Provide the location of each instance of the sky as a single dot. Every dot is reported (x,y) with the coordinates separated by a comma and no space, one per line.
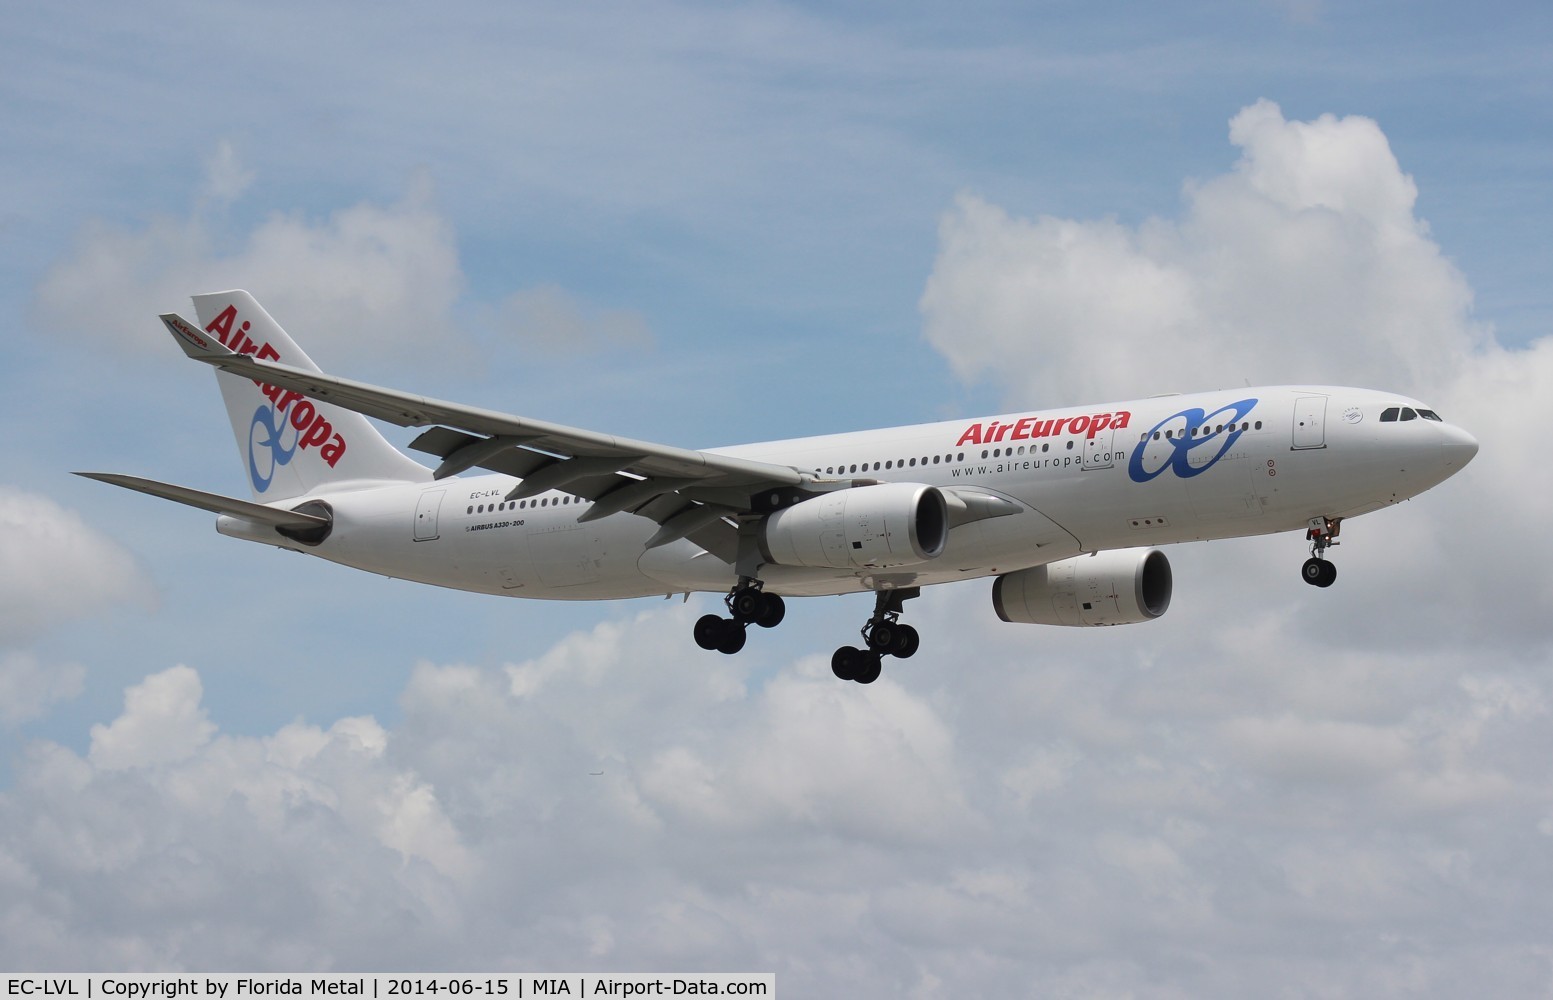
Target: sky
(712,224)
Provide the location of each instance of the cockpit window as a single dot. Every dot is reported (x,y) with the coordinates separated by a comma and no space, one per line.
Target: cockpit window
(1430,415)
(1389,414)
(1408,413)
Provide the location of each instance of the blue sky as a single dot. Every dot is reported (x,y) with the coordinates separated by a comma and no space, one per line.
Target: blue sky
(707,225)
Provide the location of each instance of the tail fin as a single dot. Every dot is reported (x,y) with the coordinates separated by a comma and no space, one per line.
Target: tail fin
(291,445)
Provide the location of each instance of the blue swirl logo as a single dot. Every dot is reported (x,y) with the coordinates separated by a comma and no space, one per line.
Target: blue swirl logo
(1200,432)
(267,446)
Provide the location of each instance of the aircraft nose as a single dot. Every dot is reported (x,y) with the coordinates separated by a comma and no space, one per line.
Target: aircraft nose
(1459,447)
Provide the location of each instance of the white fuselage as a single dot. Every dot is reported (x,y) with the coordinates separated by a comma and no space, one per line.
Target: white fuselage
(1118,475)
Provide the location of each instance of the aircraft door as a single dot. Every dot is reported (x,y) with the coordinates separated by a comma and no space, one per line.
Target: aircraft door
(426,511)
(1310,422)
(1097,450)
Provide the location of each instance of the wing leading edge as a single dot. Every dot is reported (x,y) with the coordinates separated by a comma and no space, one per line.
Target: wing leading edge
(688,493)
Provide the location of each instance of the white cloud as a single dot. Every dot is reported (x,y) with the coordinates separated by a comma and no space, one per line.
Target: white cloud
(1305,263)
(848,838)
(162,723)
(384,274)
(1343,790)
(28,685)
(54,568)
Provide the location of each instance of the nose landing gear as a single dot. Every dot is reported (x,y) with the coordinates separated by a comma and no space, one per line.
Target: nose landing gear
(884,635)
(1322,534)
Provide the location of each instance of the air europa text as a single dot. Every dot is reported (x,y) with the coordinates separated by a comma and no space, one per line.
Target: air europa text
(1026,428)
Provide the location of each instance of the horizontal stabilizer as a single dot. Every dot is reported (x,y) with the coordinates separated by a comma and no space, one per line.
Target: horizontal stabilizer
(258,513)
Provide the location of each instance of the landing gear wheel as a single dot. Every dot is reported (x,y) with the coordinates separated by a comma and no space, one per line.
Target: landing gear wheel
(745,604)
(869,668)
(709,629)
(1319,572)
(732,638)
(907,641)
(845,661)
(771,611)
(882,638)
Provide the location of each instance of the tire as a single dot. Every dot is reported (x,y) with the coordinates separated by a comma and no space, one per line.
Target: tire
(732,639)
(907,641)
(845,661)
(883,636)
(746,605)
(1328,575)
(708,630)
(1312,571)
(869,670)
(772,610)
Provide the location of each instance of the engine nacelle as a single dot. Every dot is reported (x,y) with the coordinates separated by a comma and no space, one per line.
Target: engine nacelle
(1119,587)
(891,524)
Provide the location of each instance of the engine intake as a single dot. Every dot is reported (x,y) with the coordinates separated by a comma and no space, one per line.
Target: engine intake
(889,524)
(1120,587)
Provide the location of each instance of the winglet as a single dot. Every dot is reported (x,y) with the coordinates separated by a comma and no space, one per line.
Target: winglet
(195,343)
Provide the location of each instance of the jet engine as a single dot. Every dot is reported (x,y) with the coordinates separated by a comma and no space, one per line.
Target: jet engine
(889,524)
(1119,587)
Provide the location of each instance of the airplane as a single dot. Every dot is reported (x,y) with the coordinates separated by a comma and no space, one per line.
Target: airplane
(1066,509)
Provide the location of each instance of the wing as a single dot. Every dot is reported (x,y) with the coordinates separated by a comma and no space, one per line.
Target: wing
(258,513)
(690,494)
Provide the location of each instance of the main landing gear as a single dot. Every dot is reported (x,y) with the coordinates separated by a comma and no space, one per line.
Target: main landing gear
(1322,534)
(884,635)
(747,605)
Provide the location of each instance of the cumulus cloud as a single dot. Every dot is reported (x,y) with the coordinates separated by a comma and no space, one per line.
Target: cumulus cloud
(617,803)
(386,272)
(1305,263)
(54,568)
(1343,791)
(162,723)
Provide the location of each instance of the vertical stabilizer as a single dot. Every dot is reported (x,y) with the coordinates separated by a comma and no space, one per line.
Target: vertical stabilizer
(291,445)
